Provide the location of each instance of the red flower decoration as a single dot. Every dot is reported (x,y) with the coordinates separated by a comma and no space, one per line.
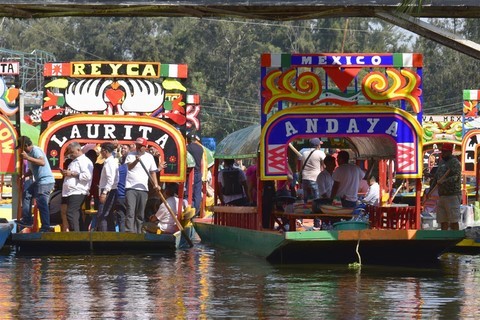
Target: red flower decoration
(172,159)
(53,153)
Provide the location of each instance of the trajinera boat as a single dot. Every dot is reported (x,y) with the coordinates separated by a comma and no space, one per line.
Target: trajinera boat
(373,104)
(91,103)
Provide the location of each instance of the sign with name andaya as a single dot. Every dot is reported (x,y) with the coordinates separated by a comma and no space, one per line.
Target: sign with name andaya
(101,128)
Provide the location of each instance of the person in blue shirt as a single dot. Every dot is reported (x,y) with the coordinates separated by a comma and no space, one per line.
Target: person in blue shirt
(120,206)
(40,188)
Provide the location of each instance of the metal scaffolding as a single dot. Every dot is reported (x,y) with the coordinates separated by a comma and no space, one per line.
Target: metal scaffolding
(31,67)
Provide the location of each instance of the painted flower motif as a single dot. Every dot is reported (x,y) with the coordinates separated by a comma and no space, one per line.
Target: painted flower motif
(53,153)
(172,159)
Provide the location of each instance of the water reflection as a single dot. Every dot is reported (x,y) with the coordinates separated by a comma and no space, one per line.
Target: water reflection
(203,283)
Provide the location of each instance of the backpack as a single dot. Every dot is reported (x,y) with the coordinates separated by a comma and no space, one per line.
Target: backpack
(231,182)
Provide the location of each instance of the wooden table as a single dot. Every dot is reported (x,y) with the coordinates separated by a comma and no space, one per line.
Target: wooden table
(292,218)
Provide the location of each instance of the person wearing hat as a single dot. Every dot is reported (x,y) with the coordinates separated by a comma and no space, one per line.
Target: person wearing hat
(42,186)
(107,188)
(136,184)
(448,179)
(312,165)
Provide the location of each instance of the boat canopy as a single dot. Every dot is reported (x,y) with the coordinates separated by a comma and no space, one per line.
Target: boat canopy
(241,144)
(244,143)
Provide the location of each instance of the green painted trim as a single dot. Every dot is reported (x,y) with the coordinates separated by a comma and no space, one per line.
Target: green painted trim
(440,234)
(312,235)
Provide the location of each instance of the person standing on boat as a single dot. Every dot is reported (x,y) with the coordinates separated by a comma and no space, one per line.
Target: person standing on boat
(120,205)
(76,184)
(346,177)
(197,152)
(448,179)
(136,185)
(312,165)
(107,188)
(232,181)
(40,188)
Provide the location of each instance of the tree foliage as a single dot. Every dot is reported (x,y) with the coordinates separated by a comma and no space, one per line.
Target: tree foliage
(223,54)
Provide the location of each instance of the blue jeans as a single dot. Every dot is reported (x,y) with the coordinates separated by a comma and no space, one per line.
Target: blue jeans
(41,193)
(106,214)
(310,190)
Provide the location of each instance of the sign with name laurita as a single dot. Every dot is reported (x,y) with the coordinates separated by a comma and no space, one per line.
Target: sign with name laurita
(96,101)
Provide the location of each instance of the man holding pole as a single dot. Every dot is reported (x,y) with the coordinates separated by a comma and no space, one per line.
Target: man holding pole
(449,183)
(136,185)
(42,186)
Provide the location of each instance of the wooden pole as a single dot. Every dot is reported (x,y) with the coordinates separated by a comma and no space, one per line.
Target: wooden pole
(170,211)
(20,181)
(435,187)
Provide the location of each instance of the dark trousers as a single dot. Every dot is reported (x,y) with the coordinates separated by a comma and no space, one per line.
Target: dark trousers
(121,210)
(74,211)
(106,214)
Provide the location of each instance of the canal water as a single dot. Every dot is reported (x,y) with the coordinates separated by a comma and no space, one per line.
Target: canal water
(207,283)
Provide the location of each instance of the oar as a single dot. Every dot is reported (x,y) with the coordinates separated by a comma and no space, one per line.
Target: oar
(435,187)
(398,190)
(170,211)
(20,181)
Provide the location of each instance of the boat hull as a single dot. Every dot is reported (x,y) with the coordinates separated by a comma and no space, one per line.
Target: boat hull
(95,241)
(387,247)
(5,230)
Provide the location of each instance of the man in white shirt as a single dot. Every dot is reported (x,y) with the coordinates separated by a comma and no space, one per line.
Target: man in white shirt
(347,177)
(136,185)
(166,223)
(325,179)
(108,188)
(76,184)
(373,194)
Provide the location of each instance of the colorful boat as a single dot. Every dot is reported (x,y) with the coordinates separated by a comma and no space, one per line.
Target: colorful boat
(94,102)
(471,170)
(337,96)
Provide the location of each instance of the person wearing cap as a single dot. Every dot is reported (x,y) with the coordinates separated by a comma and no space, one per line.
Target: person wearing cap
(448,179)
(40,188)
(107,188)
(197,152)
(312,165)
(141,165)
(346,179)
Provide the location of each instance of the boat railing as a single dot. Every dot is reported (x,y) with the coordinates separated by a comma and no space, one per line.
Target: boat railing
(234,216)
(392,217)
